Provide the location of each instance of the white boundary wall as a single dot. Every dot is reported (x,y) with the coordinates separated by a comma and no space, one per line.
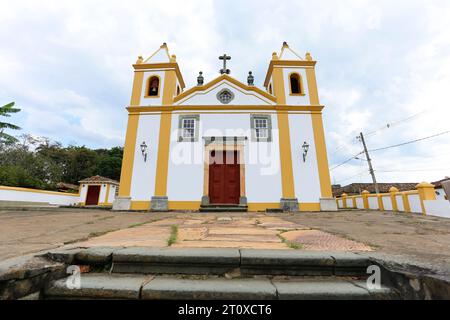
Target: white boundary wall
(39,196)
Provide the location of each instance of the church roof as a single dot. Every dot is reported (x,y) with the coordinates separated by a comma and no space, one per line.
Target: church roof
(288,57)
(99,179)
(161,55)
(226,78)
(161,58)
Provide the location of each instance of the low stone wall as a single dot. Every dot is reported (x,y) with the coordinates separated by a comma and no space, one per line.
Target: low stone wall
(17,195)
(422,200)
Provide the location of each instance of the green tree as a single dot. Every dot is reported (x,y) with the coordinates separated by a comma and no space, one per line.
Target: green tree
(6,111)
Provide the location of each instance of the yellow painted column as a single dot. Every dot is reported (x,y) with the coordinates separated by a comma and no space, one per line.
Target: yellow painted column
(380,202)
(344,200)
(108,187)
(287,174)
(406,205)
(130,139)
(393,192)
(319,136)
(354,202)
(365,196)
(162,165)
(426,192)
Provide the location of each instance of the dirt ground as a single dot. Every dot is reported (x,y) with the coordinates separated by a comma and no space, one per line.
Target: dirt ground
(422,238)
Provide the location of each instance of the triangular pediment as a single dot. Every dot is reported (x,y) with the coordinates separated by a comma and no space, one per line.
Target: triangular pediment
(225,90)
(159,56)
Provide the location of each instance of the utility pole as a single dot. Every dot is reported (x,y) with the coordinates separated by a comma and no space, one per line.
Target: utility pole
(369,161)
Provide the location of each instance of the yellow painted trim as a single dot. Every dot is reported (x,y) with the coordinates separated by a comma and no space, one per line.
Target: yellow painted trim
(393,194)
(312,86)
(380,202)
(147,87)
(300,80)
(426,192)
(38,191)
(158,66)
(319,137)
(365,195)
(285,108)
(286,63)
(162,165)
(219,79)
(314,207)
(128,155)
(253,207)
(406,205)
(287,174)
(344,201)
(130,139)
(321,156)
(140,205)
(184,205)
(108,187)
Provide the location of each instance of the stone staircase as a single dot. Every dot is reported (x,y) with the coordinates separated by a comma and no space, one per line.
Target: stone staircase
(226,274)
(223,208)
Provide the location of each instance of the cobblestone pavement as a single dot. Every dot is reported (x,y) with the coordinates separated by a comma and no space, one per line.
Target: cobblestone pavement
(249,231)
(420,237)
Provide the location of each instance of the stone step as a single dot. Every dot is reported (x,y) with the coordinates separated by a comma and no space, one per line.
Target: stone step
(203,261)
(223,208)
(113,286)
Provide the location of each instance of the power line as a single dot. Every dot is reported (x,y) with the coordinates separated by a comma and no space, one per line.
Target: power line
(410,142)
(390,125)
(387,126)
(355,176)
(413,170)
(346,161)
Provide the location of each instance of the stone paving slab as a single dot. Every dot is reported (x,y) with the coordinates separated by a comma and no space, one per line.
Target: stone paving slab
(231,244)
(211,289)
(319,240)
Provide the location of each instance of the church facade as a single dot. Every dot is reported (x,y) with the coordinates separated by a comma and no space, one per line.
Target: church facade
(225,143)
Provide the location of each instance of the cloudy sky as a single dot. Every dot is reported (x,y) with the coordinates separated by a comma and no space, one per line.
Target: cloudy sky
(67,64)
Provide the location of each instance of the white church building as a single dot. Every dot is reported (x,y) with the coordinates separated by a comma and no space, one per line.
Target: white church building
(225,144)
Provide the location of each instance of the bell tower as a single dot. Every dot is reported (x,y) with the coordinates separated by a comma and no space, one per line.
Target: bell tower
(157,81)
(291,78)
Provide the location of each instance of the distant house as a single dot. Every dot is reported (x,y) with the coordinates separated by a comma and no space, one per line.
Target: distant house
(67,187)
(440,189)
(98,191)
(357,188)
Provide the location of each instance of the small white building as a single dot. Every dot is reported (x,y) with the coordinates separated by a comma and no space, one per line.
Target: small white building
(98,191)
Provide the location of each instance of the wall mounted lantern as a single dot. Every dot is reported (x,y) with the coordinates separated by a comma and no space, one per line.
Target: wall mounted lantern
(305,148)
(144,150)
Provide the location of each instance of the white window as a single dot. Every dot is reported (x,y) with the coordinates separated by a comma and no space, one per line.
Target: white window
(188,128)
(261,125)
(261,128)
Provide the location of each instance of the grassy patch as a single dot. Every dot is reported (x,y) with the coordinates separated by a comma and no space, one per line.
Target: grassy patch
(292,245)
(135,225)
(173,235)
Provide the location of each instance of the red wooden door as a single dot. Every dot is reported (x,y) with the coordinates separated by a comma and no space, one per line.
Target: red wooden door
(224,177)
(93,195)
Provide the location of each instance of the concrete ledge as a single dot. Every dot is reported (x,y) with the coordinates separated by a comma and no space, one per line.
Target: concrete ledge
(279,262)
(23,276)
(98,286)
(320,290)
(211,289)
(192,261)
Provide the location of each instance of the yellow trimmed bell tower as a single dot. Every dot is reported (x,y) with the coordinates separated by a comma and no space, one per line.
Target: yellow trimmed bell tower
(157,80)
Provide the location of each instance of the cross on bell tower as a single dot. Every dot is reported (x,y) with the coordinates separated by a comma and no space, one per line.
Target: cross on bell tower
(225,58)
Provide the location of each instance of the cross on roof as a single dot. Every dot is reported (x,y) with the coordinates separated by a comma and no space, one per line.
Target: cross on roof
(225,58)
